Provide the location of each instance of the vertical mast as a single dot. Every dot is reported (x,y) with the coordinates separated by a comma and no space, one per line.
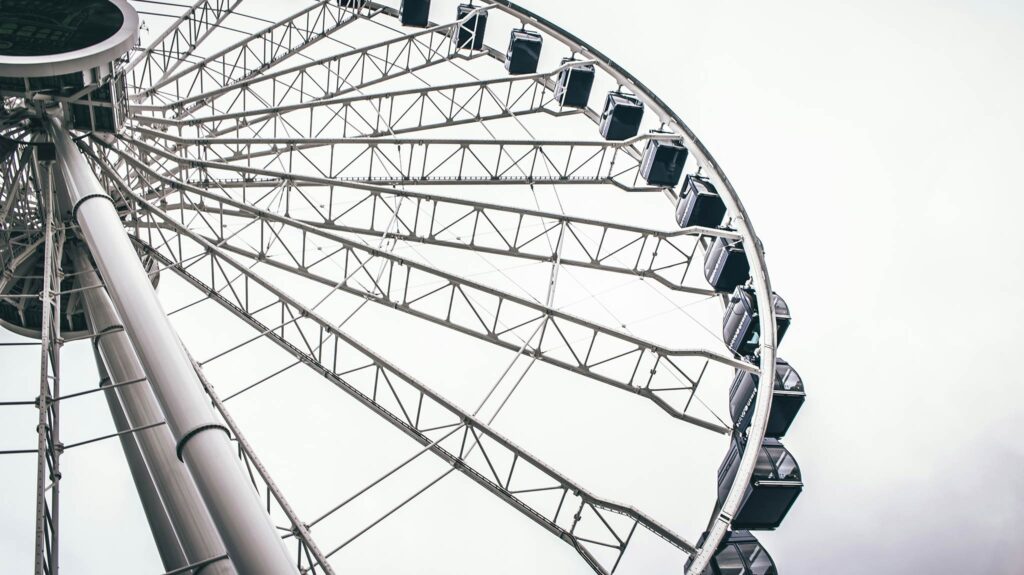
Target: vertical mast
(47,542)
(202,441)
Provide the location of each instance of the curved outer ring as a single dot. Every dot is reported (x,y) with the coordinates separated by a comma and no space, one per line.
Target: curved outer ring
(122,41)
(759,273)
(81,60)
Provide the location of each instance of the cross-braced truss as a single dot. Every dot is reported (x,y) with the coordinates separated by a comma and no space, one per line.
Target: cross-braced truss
(230,88)
(485,456)
(393,112)
(597,352)
(48,475)
(176,44)
(470,224)
(254,54)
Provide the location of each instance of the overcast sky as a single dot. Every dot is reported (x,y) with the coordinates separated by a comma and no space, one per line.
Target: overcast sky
(875,145)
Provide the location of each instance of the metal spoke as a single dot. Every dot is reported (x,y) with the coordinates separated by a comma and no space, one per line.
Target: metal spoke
(416,407)
(600,353)
(248,455)
(256,53)
(176,43)
(394,112)
(340,74)
(432,219)
(426,161)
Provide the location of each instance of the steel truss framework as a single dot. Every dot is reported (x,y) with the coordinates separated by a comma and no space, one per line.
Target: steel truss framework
(49,445)
(600,353)
(32,227)
(223,151)
(401,399)
(372,115)
(438,220)
(395,161)
(21,212)
(255,53)
(176,44)
(316,80)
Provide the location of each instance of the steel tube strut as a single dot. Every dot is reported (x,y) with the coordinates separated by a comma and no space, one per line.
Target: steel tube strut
(171,554)
(202,441)
(184,506)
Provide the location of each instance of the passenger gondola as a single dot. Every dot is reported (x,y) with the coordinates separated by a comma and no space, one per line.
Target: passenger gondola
(663,162)
(725,265)
(773,488)
(787,398)
(741,325)
(523,53)
(471,32)
(621,117)
(574,84)
(699,204)
(415,13)
(740,553)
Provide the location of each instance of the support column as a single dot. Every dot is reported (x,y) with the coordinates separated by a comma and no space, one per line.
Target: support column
(171,554)
(196,533)
(202,441)
(47,552)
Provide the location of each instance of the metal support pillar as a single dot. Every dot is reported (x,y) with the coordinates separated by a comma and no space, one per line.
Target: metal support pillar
(202,441)
(196,533)
(47,542)
(171,554)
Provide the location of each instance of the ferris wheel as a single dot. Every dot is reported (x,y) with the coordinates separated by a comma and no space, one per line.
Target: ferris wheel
(297,233)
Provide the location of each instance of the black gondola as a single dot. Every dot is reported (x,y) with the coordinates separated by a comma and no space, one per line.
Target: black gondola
(415,13)
(7,148)
(663,162)
(108,112)
(574,84)
(46,152)
(621,117)
(739,553)
(725,265)
(523,52)
(787,397)
(101,109)
(773,488)
(741,327)
(699,204)
(471,32)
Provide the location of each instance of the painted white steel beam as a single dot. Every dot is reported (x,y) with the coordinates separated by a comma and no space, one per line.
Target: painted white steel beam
(202,440)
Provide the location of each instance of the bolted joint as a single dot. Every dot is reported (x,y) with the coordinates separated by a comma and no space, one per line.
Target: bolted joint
(188,435)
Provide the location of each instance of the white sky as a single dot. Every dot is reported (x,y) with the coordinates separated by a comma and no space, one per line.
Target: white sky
(876,146)
(872,144)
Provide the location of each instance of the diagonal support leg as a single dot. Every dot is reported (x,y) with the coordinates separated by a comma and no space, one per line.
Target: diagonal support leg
(171,554)
(180,497)
(202,441)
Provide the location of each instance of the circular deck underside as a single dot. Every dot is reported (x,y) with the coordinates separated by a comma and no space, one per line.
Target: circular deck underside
(45,28)
(175,168)
(40,38)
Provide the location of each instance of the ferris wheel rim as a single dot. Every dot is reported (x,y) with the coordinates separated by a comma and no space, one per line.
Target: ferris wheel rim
(720,521)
